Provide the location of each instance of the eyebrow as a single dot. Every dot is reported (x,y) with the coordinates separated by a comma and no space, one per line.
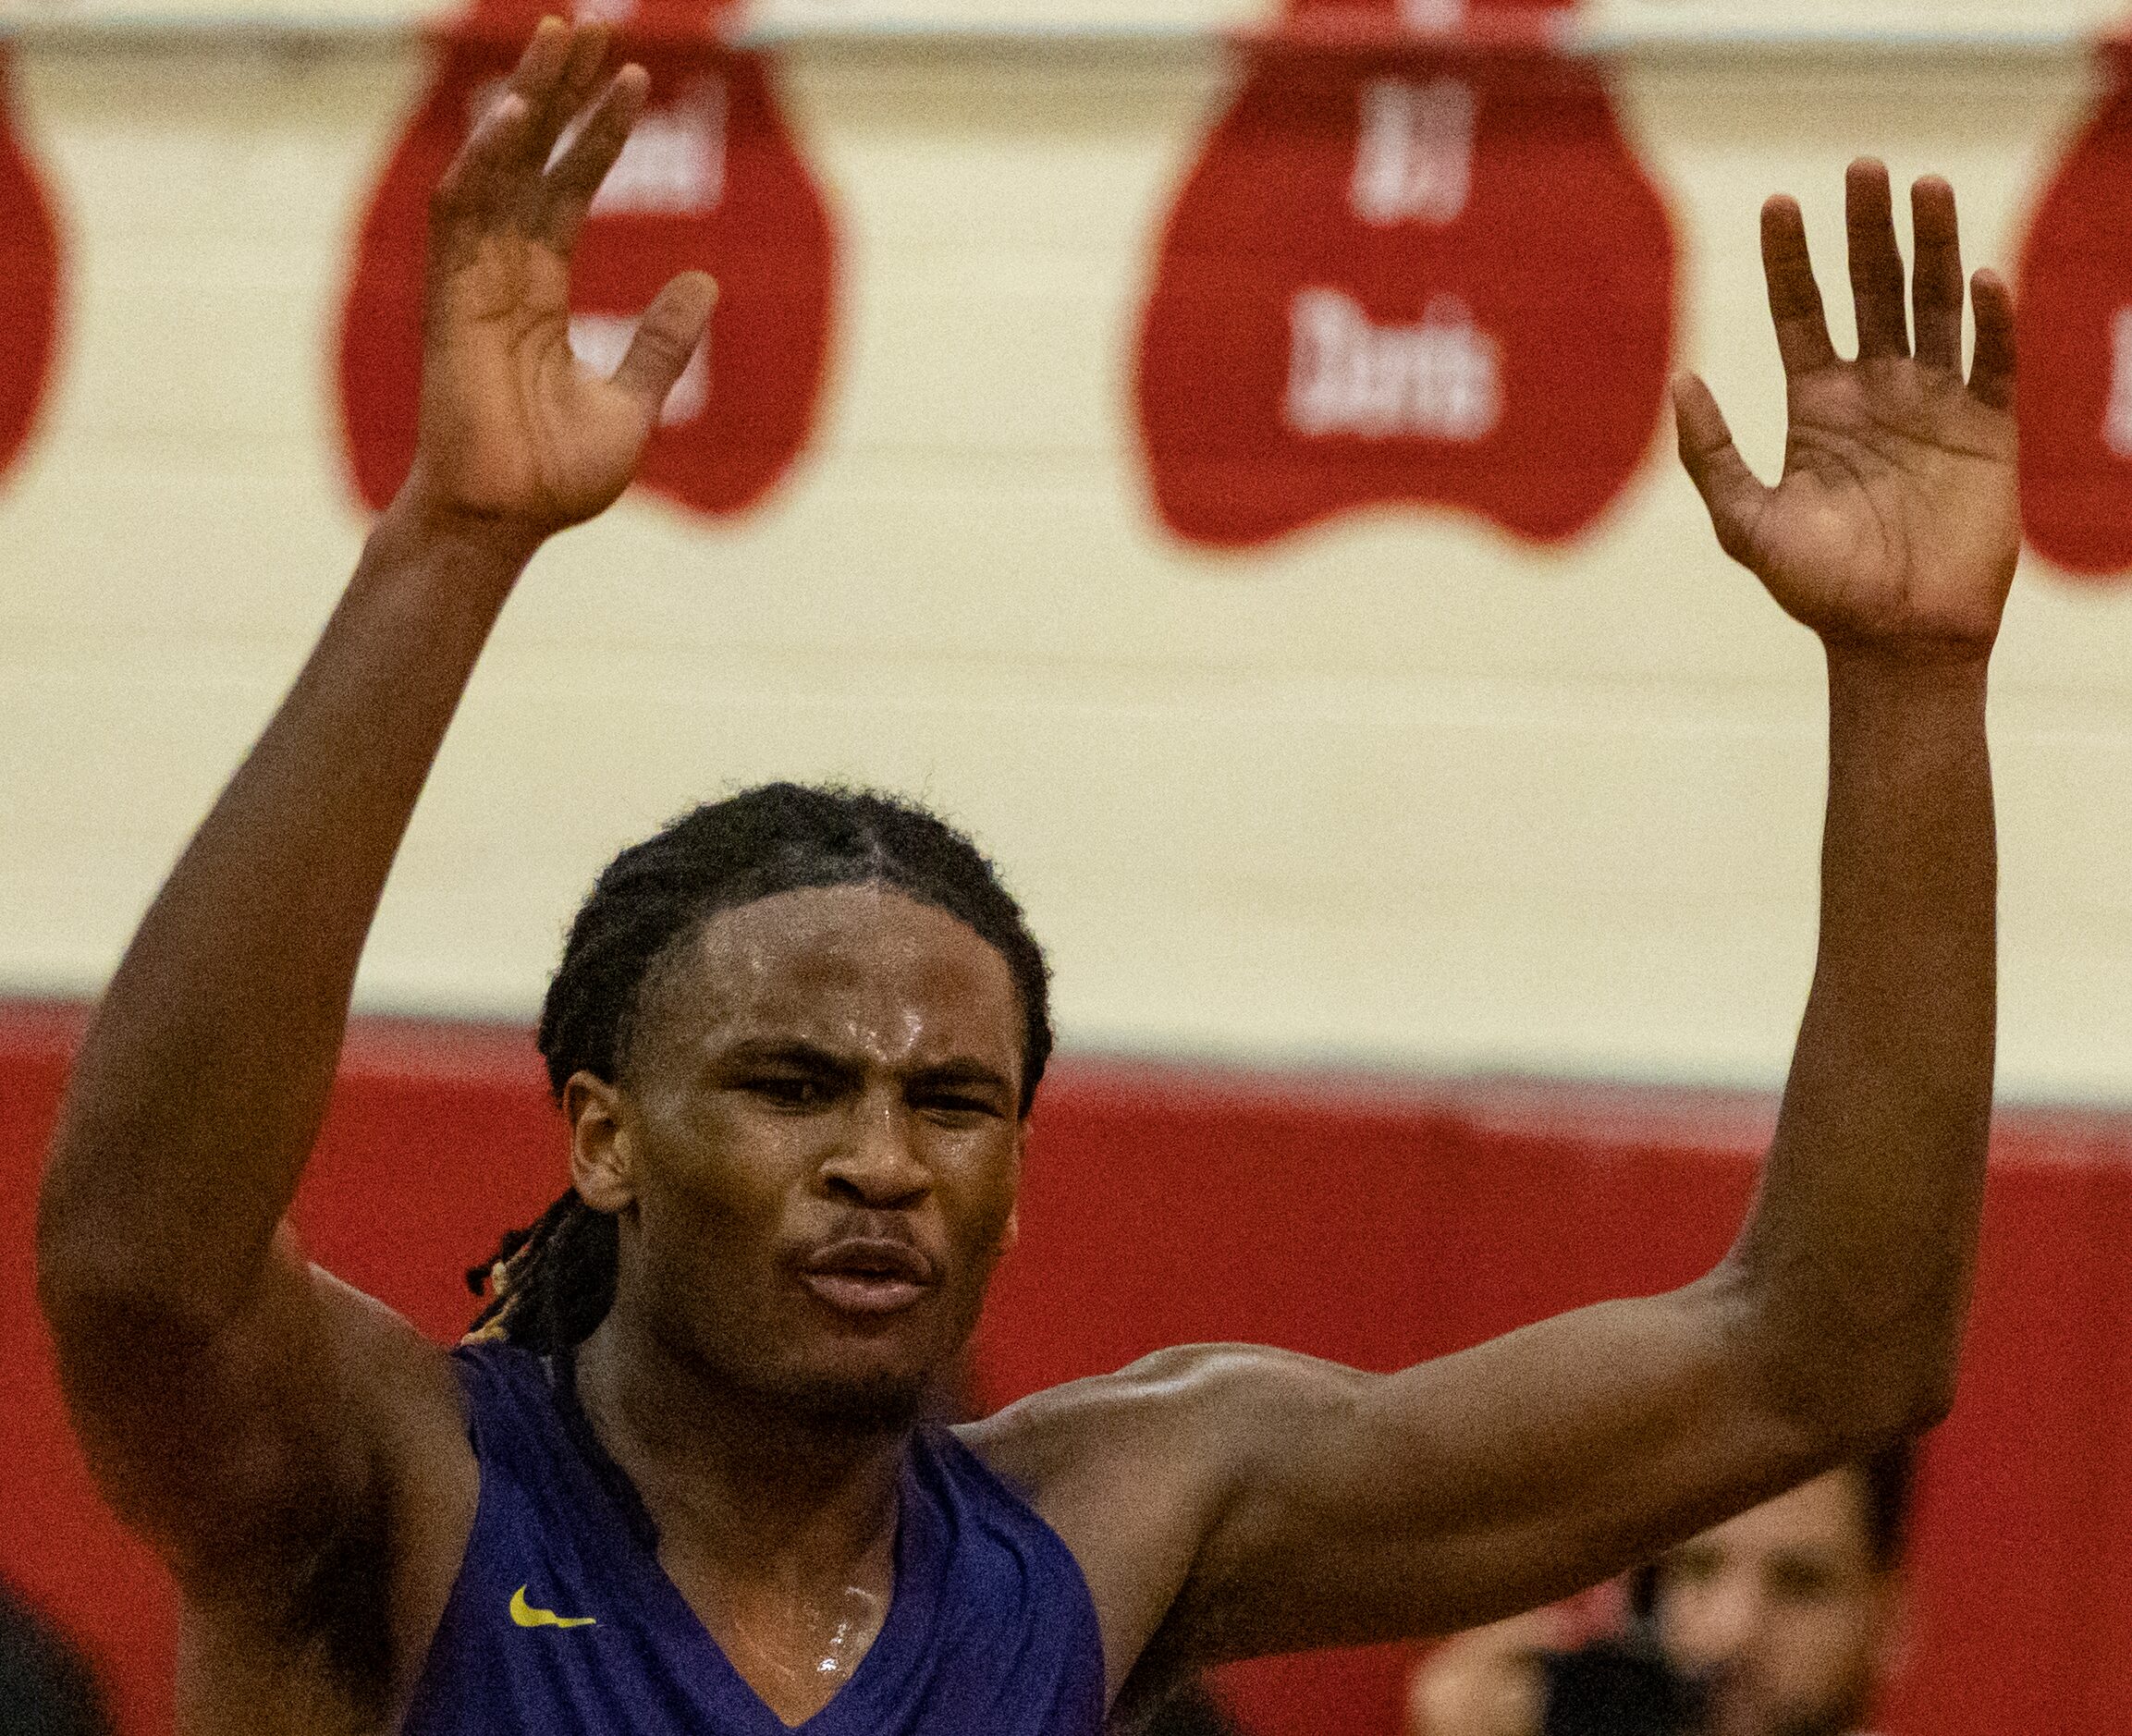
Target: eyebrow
(783,1052)
(813,1058)
(963,1071)
(1824,1556)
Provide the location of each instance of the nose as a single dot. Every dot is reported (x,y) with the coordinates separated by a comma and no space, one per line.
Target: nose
(1728,1620)
(876,1163)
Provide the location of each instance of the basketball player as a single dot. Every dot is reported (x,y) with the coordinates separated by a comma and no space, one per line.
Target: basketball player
(682,1482)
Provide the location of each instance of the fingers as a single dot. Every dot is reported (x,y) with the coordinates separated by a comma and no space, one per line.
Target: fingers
(475,189)
(1735,495)
(1991,368)
(542,58)
(499,176)
(587,155)
(1936,278)
(559,70)
(1878,280)
(1876,263)
(667,337)
(1795,298)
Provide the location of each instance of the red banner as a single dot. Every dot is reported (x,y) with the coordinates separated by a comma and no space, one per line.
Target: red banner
(1506,20)
(2074,326)
(1409,267)
(30,270)
(710,180)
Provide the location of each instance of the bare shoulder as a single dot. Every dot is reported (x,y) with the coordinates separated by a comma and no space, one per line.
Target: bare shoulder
(1190,1399)
(347,1493)
(411,1391)
(1135,1470)
(415,1415)
(372,1608)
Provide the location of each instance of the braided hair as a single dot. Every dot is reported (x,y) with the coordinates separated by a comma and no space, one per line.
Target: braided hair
(550,1284)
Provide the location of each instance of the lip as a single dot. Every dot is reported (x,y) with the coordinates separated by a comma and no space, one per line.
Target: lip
(868,1275)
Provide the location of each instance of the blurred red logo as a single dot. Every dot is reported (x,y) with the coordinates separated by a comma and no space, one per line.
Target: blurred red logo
(2073,323)
(710,180)
(1408,268)
(29,269)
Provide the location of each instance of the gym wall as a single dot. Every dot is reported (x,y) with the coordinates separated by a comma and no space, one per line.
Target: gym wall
(1398,790)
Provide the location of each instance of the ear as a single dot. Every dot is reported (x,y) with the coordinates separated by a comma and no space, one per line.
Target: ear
(602,1160)
(1010,1232)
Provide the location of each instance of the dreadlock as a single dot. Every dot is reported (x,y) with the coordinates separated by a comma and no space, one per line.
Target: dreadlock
(550,1284)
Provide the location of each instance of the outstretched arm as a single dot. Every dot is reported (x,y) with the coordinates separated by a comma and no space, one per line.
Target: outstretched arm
(230,1397)
(1280,1502)
(1893,534)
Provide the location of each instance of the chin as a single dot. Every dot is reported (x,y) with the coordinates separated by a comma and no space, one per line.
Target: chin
(883,1377)
(878,1401)
(1757,1717)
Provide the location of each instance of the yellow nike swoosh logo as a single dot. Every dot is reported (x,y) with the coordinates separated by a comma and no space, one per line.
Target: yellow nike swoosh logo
(526,1616)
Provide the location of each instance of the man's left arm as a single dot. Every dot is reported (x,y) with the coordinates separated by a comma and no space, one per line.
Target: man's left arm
(1356,1507)
(1234,1502)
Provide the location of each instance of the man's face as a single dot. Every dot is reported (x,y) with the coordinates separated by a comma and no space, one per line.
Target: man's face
(816,1151)
(1783,1613)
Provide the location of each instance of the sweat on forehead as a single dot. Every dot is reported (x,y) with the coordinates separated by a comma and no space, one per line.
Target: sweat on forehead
(864,971)
(773,839)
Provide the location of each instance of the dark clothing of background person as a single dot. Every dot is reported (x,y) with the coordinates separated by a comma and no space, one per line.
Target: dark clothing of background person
(1616,1687)
(1190,1712)
(46,1687)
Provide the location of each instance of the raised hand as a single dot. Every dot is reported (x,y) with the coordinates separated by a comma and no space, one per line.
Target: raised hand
(1894,525)
(514,430)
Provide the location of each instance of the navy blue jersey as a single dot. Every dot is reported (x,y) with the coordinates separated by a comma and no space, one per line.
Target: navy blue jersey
(562,1620)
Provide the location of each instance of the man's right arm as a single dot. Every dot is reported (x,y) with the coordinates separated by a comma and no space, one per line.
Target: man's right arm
(239,1409)
(181,1309)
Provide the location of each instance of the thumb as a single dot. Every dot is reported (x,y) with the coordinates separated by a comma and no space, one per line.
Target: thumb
(665,338)
(1731,492)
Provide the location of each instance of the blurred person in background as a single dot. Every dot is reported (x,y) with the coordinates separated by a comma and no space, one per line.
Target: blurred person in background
(46,1687)
(1784,1620)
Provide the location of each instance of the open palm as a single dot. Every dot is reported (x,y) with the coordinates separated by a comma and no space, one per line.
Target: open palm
(513,427)
(1895,523)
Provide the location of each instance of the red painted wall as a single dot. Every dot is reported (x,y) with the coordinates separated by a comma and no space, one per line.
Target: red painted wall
(1368,1223)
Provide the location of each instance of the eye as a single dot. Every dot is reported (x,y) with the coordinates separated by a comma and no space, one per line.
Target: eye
(789,1090)
(1795,1581)
(946,1103)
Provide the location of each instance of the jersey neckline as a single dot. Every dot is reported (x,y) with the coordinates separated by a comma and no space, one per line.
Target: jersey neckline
(922,1548)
